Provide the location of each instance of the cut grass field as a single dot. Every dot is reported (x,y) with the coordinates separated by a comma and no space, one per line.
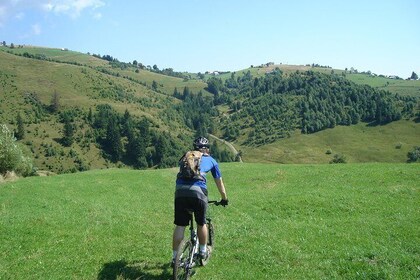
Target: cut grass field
(348,221)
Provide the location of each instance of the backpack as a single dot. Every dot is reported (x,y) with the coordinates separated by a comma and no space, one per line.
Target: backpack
(189,166)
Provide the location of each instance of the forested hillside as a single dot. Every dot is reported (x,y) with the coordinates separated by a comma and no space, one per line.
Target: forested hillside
(265,109)
(75,112)
(72,114)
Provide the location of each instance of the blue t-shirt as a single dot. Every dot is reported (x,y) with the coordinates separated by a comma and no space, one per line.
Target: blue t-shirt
(207,164)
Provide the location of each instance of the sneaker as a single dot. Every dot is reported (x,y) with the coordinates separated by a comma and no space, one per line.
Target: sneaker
(203,255)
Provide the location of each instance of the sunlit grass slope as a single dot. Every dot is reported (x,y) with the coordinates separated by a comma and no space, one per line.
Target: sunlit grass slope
(166,84)
(78,86)
(349,221)
(358,143)
(58,54)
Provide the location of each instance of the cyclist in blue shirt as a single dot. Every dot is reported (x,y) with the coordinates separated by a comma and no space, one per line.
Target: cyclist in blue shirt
(192,194)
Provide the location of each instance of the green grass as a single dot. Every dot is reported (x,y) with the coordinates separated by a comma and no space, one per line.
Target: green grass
(348,221)
(402,87)
(359,143)
(166,84)
(59,55)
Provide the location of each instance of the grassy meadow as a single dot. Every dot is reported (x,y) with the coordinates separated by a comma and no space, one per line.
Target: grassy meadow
(166,84)
(61,55)
(358,143)
(345,221)
(402,87)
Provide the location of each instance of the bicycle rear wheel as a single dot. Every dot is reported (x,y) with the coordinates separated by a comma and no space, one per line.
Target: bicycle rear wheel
(182,267)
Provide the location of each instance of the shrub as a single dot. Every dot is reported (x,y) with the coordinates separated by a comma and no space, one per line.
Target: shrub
(414,155)
(339,158)
(11,155)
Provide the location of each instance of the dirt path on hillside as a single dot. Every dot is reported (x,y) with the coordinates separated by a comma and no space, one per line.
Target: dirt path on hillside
(231,147)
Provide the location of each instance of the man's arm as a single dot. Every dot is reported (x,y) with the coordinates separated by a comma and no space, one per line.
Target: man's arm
(221,187)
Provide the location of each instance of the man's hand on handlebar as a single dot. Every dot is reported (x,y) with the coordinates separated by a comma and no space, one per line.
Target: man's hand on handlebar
(224,202)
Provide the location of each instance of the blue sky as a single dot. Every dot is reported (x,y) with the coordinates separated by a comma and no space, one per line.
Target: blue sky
(225,35)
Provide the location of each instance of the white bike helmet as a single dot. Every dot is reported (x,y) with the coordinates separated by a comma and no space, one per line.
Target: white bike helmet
(201,142)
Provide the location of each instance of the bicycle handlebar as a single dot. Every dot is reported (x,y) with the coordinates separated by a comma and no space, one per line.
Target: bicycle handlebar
(215,202)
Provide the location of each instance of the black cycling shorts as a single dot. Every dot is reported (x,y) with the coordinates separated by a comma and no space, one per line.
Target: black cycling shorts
(183,206)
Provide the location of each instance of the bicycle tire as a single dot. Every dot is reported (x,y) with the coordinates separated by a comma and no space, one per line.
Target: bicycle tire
(210,243)
(182,270)
(210,239)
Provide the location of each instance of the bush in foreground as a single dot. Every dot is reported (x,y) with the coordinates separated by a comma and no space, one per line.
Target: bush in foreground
(11,155)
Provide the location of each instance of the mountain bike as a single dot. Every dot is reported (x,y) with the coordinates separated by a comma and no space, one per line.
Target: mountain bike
(187,255)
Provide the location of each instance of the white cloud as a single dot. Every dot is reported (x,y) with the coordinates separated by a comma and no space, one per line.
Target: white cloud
(18,9)
(20,15)
(73,8)
(97,16)
(36,29)
(3,14)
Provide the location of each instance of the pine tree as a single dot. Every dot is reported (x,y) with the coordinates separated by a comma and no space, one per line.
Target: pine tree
(186,93)
(144,131)
(135,149)
(161,151)
(154,85)
(55,102)
(176,94)
(20,132)
(113,140)
(127,123)
(68,133)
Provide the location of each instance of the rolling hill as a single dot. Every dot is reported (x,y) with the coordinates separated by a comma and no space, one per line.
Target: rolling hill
(82,83)
(31,76)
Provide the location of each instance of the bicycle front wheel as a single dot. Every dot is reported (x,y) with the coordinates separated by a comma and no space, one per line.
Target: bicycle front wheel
(182,265)
(210,237)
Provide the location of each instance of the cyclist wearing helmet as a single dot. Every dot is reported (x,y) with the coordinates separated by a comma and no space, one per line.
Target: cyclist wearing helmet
(192,194)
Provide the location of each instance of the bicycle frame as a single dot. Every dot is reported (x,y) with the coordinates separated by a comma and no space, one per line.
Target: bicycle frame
(192,259)
(194,241)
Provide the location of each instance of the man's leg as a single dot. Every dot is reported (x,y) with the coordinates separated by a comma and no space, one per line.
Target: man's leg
(202,226)
(202,234)
(178,236)
(181,218)
(202,237)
